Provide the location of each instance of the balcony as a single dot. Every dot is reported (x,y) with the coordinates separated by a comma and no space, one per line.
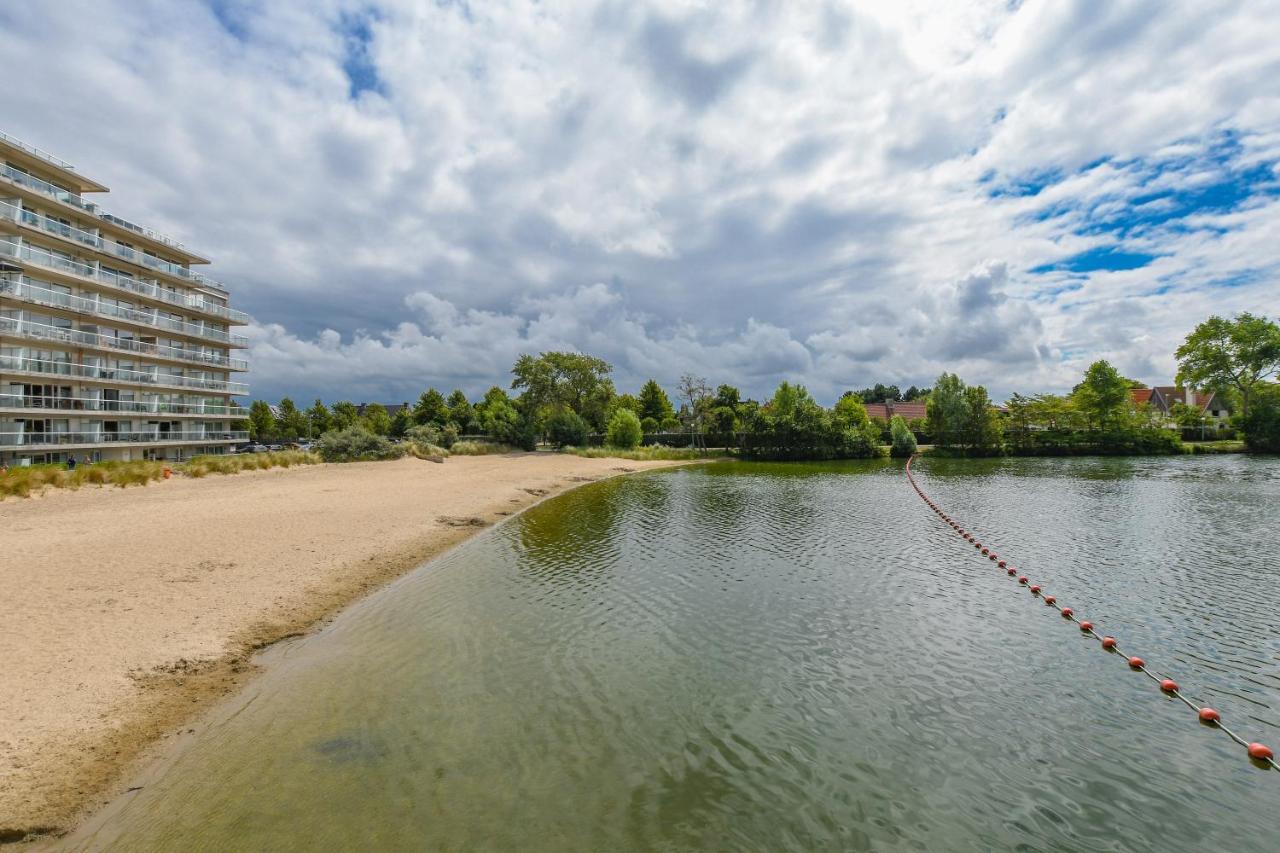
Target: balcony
(41,440)
(76,405)
(102,244)
(33,290)
(57,193)
(37,152)
(39,368)
(142,287)
(78,338)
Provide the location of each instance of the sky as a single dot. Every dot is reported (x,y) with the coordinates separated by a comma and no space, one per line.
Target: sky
(410,194)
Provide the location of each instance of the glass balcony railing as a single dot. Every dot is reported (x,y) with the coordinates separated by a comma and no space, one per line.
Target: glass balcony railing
(96,404)
(143,287)
(34,290)
(124,376)
(103,244)
(77,337)
(63,439)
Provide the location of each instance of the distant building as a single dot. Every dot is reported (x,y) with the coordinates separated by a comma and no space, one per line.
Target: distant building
(111,346)
(886,410)
(1162,399)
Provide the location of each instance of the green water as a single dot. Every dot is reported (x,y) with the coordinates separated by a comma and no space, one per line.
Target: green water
(777,657)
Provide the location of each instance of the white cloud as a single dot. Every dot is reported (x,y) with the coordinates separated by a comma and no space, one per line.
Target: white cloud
(751,191)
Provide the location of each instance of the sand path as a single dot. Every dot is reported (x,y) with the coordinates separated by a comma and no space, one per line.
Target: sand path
(127,611)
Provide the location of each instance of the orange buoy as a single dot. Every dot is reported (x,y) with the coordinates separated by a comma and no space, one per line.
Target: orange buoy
(1208,715)
(1169,685)
(1260,752)
(1086,626)
(1067,613)
(1108,642)
(1137,663)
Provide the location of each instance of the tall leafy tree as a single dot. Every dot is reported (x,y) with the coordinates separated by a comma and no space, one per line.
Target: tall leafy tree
(947,411)
(654,402)
(292,423)
(401,421)
(461,412)
(1230,354)
(376,419)
(557,381)
(319,421)
(262,424)
(981,425)
(1103,397)
(431,408)
(345,415)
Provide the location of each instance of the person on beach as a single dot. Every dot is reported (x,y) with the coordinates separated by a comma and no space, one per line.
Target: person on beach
(71,463)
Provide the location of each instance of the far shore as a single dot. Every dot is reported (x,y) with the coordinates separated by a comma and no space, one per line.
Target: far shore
(129,611)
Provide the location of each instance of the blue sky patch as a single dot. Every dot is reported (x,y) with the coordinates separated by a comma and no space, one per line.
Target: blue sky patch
(1108,258)
(358,63)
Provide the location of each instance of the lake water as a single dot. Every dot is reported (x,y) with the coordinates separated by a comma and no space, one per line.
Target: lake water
(778,657)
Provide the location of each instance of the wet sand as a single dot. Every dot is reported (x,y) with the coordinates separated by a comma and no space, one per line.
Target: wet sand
(129,611)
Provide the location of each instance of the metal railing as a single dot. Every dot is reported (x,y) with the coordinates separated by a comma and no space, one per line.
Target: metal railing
(97,404)
(144,287)
(49,367)
(76,337)
(106,245)
(31,182)
(55,439)
(34,290)
(38,152)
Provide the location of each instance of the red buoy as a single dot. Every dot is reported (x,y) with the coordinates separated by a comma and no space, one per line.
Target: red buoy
(1260,752)
(1086,626)
(1012,571)
(1000,564)
(1067,613)
(1050,599)
(1137,663)
(992,557)
(1169,685)
(1035,589)
(1208,715)
(1022,579)
(986,551)
(1108,642)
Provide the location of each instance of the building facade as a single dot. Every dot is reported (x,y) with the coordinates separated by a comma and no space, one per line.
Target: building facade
(111,345)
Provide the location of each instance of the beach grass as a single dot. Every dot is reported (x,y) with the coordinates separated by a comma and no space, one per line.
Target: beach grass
(34,479)
(481,448)
(645,454)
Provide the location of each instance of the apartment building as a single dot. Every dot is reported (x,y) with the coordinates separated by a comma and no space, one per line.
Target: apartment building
(111,345)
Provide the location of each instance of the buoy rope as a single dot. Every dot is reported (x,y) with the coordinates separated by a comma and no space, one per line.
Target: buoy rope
(1259,753)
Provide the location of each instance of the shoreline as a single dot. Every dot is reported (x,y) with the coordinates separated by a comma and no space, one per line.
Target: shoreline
(83,714)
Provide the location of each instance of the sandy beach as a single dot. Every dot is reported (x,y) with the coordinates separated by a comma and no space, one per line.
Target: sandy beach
(128,611)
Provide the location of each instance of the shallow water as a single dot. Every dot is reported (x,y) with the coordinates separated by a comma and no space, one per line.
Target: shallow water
(778,657)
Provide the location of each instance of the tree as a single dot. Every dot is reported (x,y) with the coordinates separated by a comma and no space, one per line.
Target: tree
(1235,354)
(461,412)
(318,419)
(262,424)
(500,420)
(695,393)
(567,429)
(624,429)
(291,423)
(654,402)
(982,427)
(1262,425)
(904,440)
(431,408)
(401,421)
(649,425)
(880,394)
(947,410)
(376,419)
(1103,397)
(345,415)
(853,434)
(554,381)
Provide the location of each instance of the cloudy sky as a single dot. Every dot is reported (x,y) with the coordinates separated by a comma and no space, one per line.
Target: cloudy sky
(406,193)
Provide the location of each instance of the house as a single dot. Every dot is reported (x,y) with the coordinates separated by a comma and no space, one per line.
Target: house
(1162,399)
(884,411)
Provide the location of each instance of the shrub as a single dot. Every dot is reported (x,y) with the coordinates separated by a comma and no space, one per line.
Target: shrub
(567,429)
(1262,425)
(904,440)
(441,436)
(481,448)
(356,444)
(624,429)
(670,425)
(650,425)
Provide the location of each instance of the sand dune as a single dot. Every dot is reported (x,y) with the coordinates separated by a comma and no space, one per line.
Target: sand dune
(128,611)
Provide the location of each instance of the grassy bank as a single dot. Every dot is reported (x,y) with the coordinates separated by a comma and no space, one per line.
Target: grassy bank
(644,454)
(22,482)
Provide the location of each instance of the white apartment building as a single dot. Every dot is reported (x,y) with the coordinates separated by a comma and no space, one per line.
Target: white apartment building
(111,346)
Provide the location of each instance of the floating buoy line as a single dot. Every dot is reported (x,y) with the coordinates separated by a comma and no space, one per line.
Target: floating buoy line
(1261,754)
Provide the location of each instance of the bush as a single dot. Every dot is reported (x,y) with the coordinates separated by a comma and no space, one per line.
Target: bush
(649,425)
(440,436)
(355,445)
(624,429)
(567,429)
(904,440)
(1262,426)
(670,425)
(481,448)
(651,453)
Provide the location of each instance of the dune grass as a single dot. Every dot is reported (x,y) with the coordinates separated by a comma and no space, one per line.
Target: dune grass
(34,479)
(481,448)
